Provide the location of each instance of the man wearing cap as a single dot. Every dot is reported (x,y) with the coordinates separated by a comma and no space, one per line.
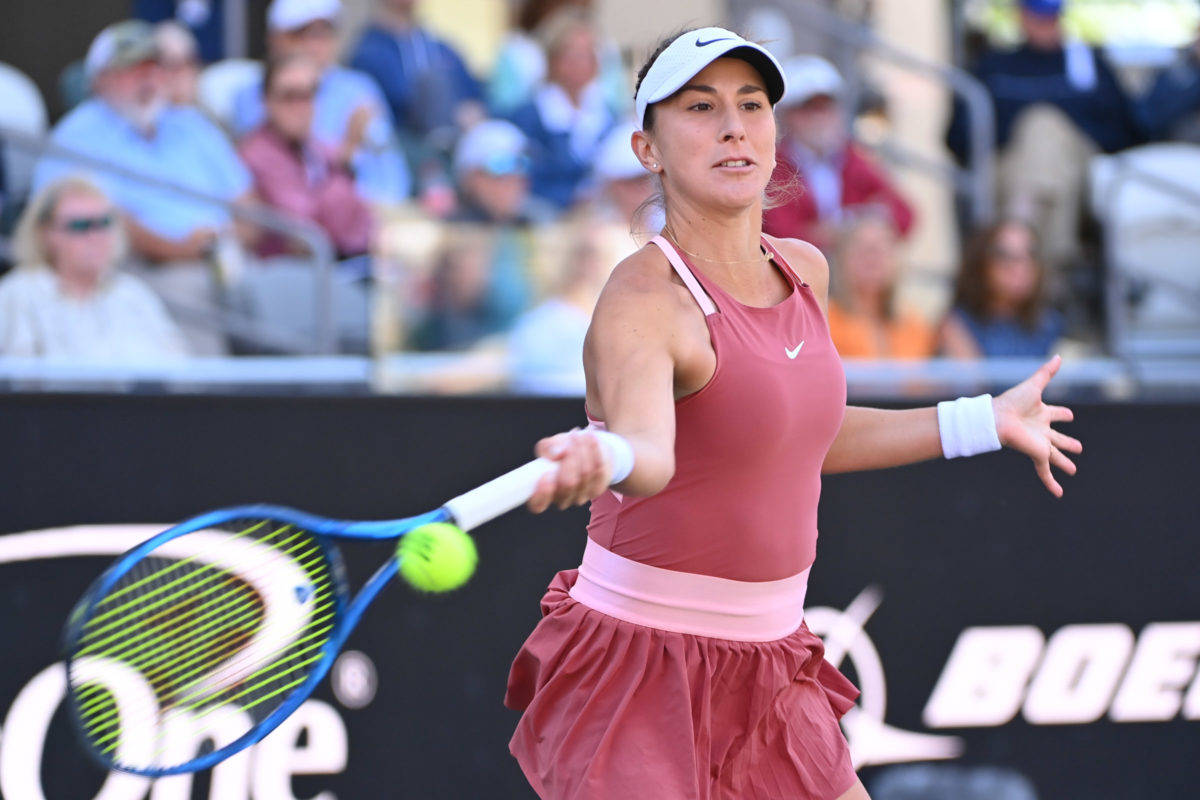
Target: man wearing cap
(834,174)
(130,124)
(346,98)
(1057,104)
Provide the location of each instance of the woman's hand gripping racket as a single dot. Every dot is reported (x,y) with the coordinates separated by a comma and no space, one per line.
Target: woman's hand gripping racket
(197,643)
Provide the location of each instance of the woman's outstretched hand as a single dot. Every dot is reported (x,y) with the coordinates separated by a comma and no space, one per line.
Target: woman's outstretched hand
(1023,423)
(582,475)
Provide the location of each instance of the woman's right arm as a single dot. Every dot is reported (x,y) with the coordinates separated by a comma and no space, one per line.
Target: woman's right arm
(629,358)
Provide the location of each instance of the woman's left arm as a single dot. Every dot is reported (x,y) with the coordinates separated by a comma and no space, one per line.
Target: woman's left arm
(875,438)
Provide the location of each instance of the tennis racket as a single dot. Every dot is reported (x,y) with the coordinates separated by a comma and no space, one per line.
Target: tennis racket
(198,642)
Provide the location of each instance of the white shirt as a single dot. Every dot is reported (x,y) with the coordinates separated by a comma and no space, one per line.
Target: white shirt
(123,321)
(546,349)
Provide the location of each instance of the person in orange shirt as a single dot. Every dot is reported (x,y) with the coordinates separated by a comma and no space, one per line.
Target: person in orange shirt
(864,320)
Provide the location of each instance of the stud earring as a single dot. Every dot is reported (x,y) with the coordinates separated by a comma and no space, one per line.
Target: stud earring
(654,165)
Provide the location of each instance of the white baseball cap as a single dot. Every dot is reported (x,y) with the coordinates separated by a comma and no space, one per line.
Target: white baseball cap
(615,160)
(494,146)
(290,15)
(809,77)
(695,50)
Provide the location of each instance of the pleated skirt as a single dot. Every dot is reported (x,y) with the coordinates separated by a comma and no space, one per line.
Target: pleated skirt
(615,710)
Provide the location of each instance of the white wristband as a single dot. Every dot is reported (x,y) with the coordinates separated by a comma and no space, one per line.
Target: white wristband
(967,426)
(618,452)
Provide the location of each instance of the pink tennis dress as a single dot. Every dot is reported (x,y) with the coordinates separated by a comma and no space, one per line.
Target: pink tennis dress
(674,663)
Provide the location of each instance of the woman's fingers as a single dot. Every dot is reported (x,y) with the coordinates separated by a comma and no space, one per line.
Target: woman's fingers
(1060,413)
(581,473)
(1058,459)
(1063,442)
(1045,372)
(1043,471)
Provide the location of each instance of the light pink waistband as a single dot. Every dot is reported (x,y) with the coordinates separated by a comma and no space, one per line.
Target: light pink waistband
(684,602)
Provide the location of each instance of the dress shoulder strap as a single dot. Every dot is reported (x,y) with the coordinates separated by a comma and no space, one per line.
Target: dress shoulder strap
(689,280)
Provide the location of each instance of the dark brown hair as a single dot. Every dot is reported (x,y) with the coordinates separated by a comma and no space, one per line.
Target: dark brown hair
(534,12)
(971,291)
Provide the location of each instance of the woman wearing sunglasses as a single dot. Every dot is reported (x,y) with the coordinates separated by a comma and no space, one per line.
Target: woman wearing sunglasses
(66,298)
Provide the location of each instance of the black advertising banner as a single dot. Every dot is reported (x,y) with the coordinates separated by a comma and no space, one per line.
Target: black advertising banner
(1008,645)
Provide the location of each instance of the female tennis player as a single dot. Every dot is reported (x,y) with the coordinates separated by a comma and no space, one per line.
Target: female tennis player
(674,663)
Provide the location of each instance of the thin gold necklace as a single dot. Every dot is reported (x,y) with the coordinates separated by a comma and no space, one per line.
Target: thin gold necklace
(762,254)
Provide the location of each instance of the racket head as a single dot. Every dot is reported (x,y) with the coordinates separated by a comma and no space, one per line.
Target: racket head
(200,641)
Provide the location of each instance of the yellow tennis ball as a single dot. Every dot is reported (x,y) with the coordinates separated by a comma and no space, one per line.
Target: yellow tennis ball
(437,557)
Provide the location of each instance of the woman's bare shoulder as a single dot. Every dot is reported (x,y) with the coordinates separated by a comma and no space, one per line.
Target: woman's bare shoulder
(643,283)
(807,261)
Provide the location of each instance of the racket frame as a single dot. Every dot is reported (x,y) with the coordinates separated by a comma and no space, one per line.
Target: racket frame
(347,612)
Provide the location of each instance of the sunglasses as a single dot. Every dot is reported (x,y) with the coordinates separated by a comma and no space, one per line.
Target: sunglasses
(294,95)
(82,225)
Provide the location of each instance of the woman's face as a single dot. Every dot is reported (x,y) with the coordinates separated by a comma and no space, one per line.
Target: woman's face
(81,237)
(1012,268)
(714,139)
(289,100)
(868,258)
(573,64)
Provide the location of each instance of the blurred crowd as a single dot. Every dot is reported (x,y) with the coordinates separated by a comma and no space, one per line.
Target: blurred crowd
(529,176)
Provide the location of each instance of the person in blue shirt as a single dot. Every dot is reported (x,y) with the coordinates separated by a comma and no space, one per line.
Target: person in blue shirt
(427,85)
(346,98)
(999,301)
(568,118)
(130,124)
(1170,108)
(1057,103)
(431,93)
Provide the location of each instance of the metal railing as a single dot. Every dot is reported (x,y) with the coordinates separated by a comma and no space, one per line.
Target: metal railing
(976,182)
(311,237)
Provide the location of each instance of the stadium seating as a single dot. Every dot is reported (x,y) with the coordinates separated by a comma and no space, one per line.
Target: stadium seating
(23,111)
(1147,201)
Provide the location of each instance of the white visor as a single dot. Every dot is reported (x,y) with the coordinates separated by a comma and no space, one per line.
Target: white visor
(695,50)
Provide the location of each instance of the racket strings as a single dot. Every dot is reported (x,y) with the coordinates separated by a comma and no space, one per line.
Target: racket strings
(194,628)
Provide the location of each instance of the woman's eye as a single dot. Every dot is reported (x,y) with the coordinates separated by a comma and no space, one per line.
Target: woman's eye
(753,105)
(701,106)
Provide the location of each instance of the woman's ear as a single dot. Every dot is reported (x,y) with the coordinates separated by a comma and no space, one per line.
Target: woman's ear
(646,152)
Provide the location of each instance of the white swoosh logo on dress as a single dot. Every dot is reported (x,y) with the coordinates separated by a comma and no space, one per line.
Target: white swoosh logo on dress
(793,353)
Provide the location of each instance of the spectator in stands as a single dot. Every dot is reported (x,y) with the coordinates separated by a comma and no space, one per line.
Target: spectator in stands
(823,173)
(297,174)
(346,98)
(180,60)
(427,85)
(546,344)
(864,320)
(130,124)
(67,297)
(491,165)
(999,304)
(568,118)
(623,183)
(1057,103)
(521,63)
(1170,108)
(460,311)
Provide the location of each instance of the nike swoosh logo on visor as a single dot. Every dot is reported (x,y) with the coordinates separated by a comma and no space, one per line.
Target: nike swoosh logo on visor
(710,41)
(793,353)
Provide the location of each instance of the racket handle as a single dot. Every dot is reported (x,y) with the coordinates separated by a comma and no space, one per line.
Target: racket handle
(498,496)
